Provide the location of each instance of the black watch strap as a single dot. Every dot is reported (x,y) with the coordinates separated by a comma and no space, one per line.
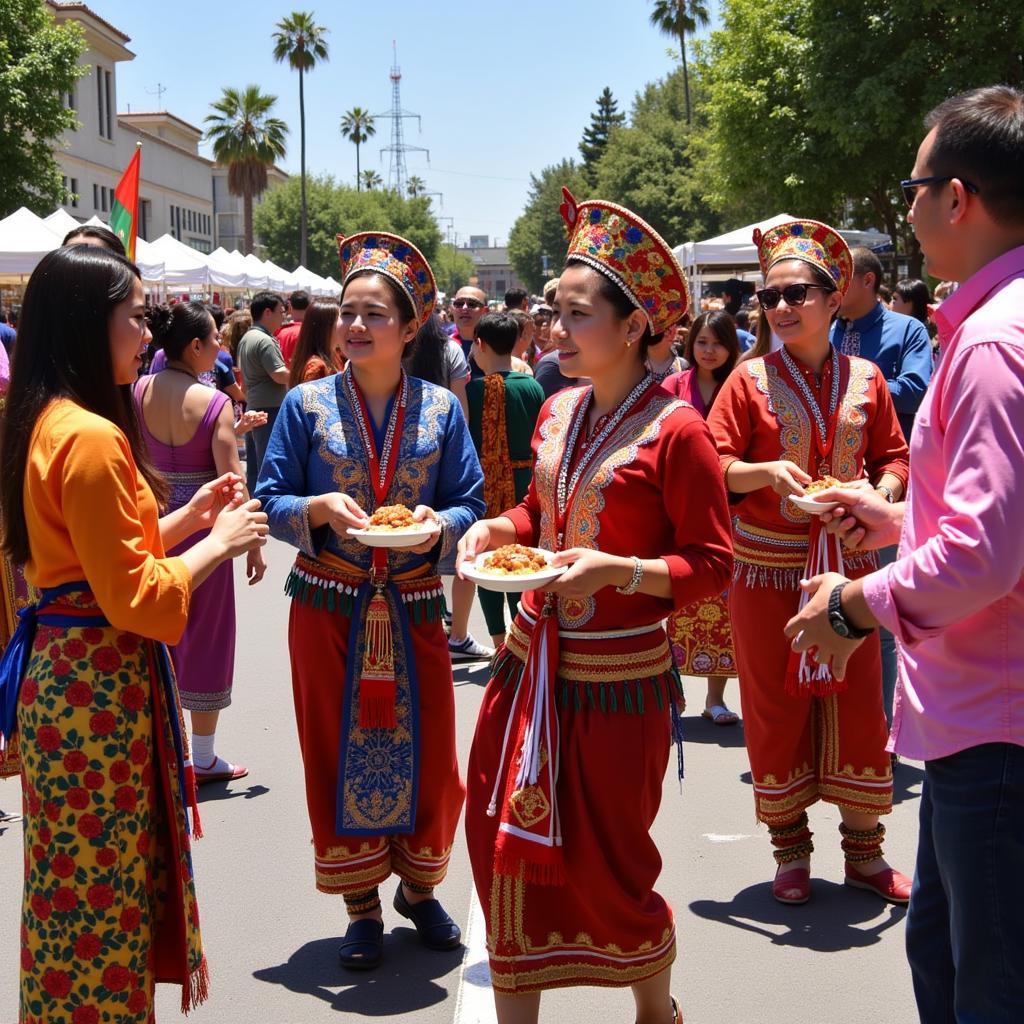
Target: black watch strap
(837,617)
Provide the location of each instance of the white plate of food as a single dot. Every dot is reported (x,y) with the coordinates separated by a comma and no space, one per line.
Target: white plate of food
(513,568)
(392,526)
(807,502)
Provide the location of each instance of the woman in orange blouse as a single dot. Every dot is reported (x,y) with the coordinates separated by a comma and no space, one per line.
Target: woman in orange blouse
(318,351)
(109,904)
(780,421)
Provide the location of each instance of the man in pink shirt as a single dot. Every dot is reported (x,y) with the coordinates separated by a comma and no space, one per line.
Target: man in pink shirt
(954,598)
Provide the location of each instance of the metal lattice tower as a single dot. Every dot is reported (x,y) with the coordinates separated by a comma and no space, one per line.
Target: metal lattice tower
(397,171)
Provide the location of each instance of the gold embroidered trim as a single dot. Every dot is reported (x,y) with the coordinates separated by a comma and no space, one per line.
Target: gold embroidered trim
(558,975)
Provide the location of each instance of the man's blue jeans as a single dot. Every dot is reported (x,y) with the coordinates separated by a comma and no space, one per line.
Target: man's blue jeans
(965,927)
(256,442)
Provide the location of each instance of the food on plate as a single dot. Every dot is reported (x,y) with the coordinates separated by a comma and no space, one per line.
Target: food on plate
(821,485)
(392,517)
(514,560)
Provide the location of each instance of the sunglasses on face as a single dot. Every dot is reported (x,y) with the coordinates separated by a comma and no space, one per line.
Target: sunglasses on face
(467,304)
(794,294)
(911,185)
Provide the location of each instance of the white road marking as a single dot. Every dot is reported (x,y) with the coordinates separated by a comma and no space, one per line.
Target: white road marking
(474,1003)
(714,837)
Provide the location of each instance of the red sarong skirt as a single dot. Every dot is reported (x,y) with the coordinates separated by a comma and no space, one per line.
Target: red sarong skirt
(318,644)
(802,748)
(605,925)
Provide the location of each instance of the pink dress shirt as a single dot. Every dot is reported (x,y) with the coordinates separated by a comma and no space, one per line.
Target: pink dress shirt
(954,598)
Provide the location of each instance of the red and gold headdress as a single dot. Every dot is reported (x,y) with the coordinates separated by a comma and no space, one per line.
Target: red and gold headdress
(378,252)
(810,241)
(618,244)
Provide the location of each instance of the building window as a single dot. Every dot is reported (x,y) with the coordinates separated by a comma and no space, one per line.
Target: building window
(95,197)
(104,193)
(144,215)
(174,233)
(105,101)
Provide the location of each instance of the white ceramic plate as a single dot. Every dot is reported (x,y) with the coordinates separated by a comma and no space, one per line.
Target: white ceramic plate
(511,584)
(396,538)
(815,508)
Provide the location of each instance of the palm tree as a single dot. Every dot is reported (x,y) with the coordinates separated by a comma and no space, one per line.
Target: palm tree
(300,41)
(357,126)
(371,179)
(246,140)
(675,18)
(415,186)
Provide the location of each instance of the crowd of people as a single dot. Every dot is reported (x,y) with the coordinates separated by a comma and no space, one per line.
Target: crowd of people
(822,508)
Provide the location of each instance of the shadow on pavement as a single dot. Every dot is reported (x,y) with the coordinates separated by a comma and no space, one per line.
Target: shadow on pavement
(213,791)
(404,982)
(904,776)
(471,673)
(699,730)
(835,919)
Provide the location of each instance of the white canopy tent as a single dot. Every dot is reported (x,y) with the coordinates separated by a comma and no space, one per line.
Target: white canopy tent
(24,240)
(734,254)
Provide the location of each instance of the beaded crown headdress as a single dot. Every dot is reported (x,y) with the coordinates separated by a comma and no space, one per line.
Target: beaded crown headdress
(618,244)
(380,252)
(810,241)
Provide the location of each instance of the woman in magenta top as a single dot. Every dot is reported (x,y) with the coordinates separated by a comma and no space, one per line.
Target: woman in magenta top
(189,430)
(700,633)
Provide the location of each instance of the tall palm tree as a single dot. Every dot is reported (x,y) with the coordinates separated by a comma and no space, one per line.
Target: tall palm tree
(676,18)
(246,140)
(371,179)
(415,186)
(357,126)
(300,41)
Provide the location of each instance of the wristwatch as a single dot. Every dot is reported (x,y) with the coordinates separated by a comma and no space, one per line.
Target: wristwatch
(838,620)
(887,493)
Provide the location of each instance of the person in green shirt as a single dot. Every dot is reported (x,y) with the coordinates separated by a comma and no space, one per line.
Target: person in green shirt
(503,410)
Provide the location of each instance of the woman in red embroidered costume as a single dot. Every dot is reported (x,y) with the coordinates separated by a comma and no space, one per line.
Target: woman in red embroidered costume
(571,746)
(109,904)
(781,421)
(700,634)
(371,676)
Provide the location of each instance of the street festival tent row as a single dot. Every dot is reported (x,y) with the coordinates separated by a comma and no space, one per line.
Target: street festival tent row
(734,254)
(167,262)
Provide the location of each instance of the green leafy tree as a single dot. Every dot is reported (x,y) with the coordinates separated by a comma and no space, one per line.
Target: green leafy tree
(338,209)
(677,18)
(300,42)
(452,269)
(649,166)
(38,67)
(357,126)
(540,230)
(247,140)
(818,110)
(415,186)
(602,122)
(371,180)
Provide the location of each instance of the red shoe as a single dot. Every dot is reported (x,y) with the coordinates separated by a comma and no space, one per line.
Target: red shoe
(677,1011)
(792,886)
(888,883)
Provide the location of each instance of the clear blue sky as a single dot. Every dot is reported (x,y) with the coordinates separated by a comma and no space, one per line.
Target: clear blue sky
(503,89)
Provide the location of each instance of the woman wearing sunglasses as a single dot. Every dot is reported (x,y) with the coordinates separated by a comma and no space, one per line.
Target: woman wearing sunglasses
(627,491)
(781,421)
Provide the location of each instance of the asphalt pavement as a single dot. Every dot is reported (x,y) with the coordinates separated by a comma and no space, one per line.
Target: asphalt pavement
(271,938)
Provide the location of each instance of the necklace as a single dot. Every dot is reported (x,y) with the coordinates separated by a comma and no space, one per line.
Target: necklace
(178,369)
(383,466)
(567,485)
(812,401)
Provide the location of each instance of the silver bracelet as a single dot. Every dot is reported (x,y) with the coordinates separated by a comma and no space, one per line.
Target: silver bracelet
(635,580)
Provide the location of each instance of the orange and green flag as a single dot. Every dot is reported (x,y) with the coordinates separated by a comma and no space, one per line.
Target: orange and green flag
(124,214)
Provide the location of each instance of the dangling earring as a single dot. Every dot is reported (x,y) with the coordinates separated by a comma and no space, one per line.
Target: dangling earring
(629,344)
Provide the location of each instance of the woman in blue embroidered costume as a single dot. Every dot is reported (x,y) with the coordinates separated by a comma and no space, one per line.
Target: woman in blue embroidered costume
(372,680)
(575,729)
(780,421)
(109,905)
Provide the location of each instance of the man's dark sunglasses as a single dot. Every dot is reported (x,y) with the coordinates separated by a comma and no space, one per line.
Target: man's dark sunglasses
(911,185)
(467,304)
(794,294)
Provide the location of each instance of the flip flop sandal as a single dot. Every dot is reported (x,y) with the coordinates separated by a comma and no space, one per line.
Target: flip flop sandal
(433,925)
(229,773)
(363,945)
(719,714)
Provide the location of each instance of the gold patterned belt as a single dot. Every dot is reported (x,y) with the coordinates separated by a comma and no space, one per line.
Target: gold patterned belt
(598,657)
(332,583)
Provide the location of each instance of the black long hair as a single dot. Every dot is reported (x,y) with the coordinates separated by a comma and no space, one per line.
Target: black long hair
(424,357)
(63,351)
(723,327)
(174,327)
(318,324)
(916,293)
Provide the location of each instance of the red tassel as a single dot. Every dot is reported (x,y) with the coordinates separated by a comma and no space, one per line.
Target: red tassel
(192,796)
(196,988)
(377,679)
(377,704)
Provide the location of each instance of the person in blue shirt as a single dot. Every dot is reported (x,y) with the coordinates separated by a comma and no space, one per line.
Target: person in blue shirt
(743,333)
(7,333)
(901,349)
(898,345)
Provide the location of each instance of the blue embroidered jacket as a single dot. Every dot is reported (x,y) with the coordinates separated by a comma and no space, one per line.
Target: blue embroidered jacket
(315,447)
